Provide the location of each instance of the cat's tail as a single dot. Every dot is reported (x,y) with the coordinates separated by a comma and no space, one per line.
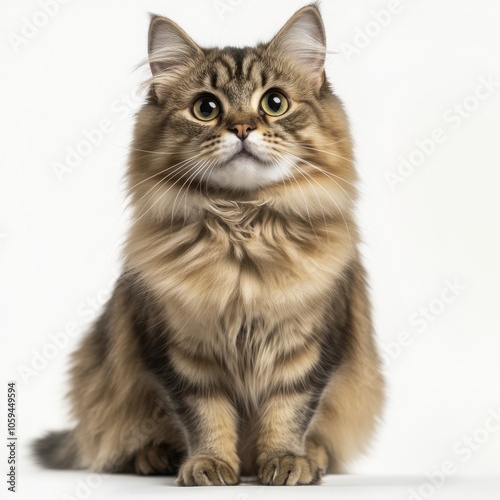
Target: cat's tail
(57,450)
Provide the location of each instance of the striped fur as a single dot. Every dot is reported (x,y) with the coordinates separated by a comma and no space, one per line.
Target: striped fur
(238,339)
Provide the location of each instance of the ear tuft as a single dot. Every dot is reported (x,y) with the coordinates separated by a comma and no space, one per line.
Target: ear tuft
(168,45)
(303,40)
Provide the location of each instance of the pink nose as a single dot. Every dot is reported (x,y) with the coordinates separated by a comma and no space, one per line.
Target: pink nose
(242,130)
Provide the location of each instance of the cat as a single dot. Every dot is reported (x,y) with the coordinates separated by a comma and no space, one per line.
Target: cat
(238,338)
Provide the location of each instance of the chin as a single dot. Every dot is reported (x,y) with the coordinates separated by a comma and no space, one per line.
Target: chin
(247,173)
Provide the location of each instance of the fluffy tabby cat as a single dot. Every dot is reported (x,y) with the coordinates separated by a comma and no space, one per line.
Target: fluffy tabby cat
(238,339)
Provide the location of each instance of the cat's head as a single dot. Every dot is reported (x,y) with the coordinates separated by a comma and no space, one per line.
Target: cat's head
(240,121)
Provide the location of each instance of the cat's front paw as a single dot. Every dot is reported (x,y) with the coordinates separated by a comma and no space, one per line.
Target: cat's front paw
(289,470)
(206,471)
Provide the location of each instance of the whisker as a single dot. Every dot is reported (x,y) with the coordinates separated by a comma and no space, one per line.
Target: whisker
(191,176)
(208,171)
(317,197)
(327,152)
(165,193)
(327,174)
(306,205)
(168,176)
(275,162)
(331,198)
(211,162)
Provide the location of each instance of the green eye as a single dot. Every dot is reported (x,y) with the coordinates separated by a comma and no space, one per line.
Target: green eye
(274,104)
(206,108)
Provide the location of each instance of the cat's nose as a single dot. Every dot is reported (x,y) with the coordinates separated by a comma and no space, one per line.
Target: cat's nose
(242,130)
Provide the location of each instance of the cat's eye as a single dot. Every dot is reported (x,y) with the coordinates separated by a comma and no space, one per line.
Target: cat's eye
(274,103)
(206,108)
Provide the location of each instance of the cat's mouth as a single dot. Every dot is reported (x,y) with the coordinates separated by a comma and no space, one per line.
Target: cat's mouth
(248,152)
(248,165)
(244,154)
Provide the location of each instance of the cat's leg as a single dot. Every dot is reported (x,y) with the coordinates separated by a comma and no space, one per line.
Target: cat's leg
(139,438)
(351,403)
(282,457)
(124,421)
(211,424)
(347,415)
(145,441)
(317,452)
(155,459)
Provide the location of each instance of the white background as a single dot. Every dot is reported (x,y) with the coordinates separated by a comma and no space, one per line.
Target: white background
(60,235)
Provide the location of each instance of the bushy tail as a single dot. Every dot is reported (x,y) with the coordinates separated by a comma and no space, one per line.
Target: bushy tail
(57,450)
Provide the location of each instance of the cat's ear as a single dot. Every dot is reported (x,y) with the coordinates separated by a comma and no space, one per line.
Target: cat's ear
(303,40)
(169,46)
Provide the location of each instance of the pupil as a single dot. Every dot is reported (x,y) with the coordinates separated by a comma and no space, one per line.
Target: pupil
(207,107)
(274,102)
